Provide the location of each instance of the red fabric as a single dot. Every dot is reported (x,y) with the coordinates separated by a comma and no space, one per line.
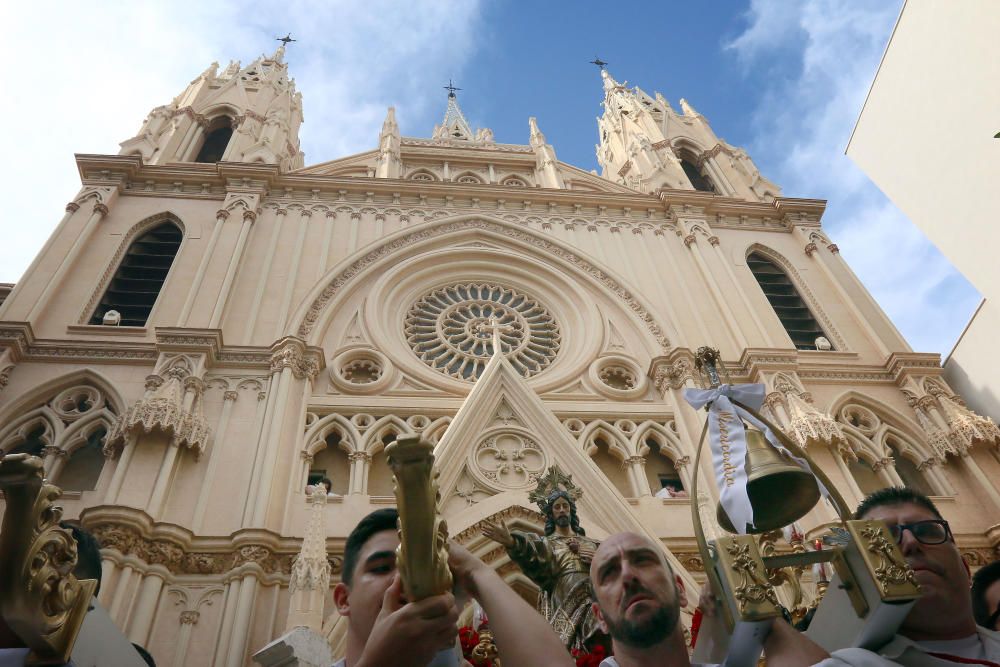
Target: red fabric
(589,658)
(695,625)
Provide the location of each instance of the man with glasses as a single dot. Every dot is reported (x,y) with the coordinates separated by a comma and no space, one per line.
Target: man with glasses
(986,596)
(940,629)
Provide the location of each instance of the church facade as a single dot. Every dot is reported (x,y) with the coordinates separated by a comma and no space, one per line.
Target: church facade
(213,326)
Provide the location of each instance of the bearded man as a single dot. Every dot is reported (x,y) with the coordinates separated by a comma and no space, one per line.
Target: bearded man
(559,562)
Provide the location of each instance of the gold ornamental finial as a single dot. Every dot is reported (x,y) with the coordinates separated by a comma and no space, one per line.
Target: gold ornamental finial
(422,556)
(40,598)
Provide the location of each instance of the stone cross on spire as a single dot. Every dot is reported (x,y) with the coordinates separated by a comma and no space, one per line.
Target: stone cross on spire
(454,126)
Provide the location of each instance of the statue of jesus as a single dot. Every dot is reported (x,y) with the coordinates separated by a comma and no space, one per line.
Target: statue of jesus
(559,562)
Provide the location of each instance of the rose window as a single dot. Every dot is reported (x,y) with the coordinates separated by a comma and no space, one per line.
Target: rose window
(451,330)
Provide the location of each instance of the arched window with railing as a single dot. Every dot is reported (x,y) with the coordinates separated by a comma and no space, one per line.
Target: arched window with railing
(139,278)
(786,301)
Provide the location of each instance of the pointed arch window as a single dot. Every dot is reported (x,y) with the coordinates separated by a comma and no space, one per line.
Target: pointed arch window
(216,141)
(868,480)
(698,179)
(791,310)
(83,469)
(907,469)
(139,278)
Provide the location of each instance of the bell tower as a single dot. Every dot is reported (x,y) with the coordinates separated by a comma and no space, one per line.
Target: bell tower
(646,145)
(243,114)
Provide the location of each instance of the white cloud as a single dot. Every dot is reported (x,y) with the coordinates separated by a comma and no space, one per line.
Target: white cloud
(81,77)
(801,128)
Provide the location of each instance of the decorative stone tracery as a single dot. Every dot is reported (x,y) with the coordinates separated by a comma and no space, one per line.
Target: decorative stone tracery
(449,329)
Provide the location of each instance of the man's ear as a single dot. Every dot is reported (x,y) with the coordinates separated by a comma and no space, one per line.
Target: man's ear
(341,598)
(682,598)
(596,608)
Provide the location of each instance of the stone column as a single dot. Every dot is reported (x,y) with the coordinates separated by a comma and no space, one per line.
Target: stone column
(265,273)
(220,217)
(145,608)
(637,474)
(708,277)
(739,291)
(118,478)
(229,399)
(359,472)
(71,208)
(241,621)
(973,468)
(220,304)
(54,460)
(81,241)
(840,456)
(678,279)
(188,619)
(107,570)
(226,626)
(159,493)
(293,368)
(121,590)
(293,272)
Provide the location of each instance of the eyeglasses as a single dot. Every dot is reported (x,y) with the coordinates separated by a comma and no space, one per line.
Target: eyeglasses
(931,531)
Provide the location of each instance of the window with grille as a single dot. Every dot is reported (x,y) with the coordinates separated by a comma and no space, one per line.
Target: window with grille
(139,278)
(791,310)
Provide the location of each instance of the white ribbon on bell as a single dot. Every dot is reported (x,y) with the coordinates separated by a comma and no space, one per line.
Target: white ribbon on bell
(727,438)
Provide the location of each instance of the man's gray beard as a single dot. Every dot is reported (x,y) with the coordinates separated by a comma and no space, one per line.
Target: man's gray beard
(562,521)
(648,632)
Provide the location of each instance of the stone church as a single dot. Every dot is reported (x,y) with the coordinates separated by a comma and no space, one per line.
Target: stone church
(213,326)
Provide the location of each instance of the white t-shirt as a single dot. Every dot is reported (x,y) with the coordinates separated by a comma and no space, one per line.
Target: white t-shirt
(984,645)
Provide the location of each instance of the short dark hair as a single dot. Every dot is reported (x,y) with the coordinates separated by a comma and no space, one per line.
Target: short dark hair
(984,577)
(379,520)
(895,495)
(88,554)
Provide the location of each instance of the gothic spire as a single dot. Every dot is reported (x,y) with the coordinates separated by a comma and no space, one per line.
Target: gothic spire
(455,126)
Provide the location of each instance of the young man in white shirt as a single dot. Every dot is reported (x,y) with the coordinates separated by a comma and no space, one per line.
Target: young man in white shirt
(383,629)
(940,630)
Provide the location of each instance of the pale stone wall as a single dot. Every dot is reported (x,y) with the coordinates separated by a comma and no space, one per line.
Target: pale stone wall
(931,180)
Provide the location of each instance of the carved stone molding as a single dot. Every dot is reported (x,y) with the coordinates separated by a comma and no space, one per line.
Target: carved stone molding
(190,617)
(304,362)
(344,277)
(810,249)
(178,559)
(671,372)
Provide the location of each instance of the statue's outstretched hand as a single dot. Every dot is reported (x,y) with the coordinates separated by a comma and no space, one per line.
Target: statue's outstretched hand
(498,533)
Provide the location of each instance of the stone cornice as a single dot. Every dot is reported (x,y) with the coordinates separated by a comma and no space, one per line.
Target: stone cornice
(20,339)
(132,534)
(205,181)
(177,339)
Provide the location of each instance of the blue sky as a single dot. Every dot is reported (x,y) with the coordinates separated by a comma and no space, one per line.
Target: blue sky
(783,78)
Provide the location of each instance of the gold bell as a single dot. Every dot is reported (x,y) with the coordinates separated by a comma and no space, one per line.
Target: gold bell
(780,492)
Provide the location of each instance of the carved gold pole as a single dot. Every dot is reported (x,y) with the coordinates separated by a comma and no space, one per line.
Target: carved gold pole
(422,557)
(40,599)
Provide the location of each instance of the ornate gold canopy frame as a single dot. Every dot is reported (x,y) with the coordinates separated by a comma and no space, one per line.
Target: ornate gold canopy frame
(870,594)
